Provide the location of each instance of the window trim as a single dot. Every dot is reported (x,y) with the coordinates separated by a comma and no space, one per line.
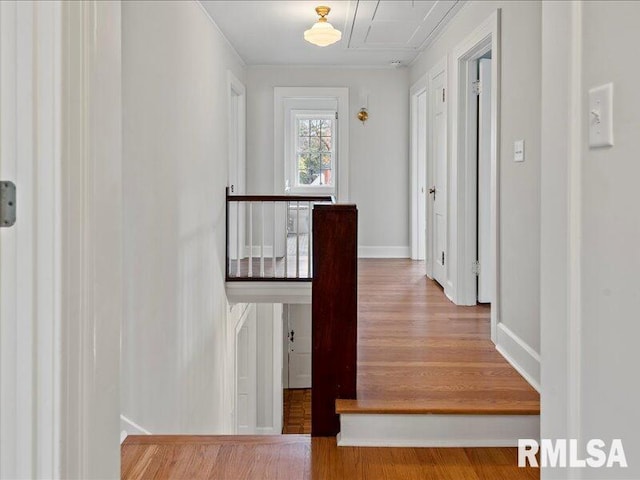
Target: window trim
(338,94)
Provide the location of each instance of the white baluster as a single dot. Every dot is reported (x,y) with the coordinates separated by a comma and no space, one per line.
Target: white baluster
(309,222)
(273,244)
(250,239)
(262,240)
(238,239)
(286,240)
(297,239)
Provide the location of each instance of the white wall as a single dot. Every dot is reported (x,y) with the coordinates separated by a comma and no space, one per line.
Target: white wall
(591,232)
(175,65)
(519,182)
(378,151)
(610,235)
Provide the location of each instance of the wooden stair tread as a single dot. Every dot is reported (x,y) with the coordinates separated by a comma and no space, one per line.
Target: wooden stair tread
(216,439)
(439,407)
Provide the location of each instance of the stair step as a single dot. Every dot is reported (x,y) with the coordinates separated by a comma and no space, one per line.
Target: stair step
(435,430)
(439,407)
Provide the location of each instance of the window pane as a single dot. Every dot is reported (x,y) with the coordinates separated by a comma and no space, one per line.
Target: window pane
(303,144)
(326,161)
(314,144)
(308,169)
(315,127)
(303,128)
(326,128)
(325,144)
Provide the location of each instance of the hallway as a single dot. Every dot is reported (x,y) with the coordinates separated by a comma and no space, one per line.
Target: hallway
(419,353)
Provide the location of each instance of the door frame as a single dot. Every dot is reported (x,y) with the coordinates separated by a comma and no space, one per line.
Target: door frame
(463,174)
(237,138)
(30,277)
(417,195)
(70,143)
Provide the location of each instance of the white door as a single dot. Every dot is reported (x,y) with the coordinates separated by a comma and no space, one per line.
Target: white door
(484,182)
(246,380)
(438,189)
(421,152)
(299,334)
(236,178)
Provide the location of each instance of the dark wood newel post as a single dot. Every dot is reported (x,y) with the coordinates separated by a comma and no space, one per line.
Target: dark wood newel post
(334,313)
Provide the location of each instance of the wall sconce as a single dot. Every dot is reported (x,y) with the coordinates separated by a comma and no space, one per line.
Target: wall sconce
(363,115)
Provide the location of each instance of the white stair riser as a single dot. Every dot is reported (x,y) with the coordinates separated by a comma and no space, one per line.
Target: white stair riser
(418,430)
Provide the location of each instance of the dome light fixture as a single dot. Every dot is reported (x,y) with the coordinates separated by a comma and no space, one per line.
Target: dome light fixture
(322,32)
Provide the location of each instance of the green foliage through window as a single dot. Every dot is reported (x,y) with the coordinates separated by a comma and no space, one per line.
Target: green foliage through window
(315,151)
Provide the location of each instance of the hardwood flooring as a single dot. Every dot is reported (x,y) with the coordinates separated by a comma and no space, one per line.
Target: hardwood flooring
(418,352)
(299,457)
(297,410)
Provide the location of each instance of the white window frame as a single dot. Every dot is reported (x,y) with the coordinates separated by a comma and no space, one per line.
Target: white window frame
(341,95)
(291,157)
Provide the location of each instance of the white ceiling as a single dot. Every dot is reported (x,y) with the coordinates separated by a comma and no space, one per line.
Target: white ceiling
(374,32)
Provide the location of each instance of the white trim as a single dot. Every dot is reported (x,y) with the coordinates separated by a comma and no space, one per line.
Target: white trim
(278,347)
(269,292)
(31,370)
(341,94)
(575,227)
(251,310)
(417,89)
(440,68)
(462,250)
(560,272)
(226,40)
(427,430)
(384,252)
(129,427)
(92,232)
(519,354)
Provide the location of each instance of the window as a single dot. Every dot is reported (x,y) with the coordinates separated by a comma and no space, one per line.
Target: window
(314,150)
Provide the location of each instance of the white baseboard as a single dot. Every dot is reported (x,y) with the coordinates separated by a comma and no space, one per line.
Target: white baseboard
(519,354)
(129,427)
(384,252)
(267,431)
(389,430)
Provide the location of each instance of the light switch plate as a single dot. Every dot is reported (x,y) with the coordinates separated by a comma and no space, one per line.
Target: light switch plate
(518,151)
(601,116)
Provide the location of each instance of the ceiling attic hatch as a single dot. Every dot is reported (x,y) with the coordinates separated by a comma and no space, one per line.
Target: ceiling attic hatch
(374,32)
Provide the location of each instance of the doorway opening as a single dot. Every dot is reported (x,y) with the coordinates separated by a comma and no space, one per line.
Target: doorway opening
(482,89)
(474,206)
(296,379)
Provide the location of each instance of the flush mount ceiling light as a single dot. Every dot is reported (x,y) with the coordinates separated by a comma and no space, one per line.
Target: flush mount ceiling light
(322,33)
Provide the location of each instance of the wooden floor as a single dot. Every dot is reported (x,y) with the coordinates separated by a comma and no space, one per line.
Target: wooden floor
(298,457)
(418,352)
(297,410)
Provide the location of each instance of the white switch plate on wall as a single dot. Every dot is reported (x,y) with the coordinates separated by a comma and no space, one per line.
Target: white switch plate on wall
(518,151)
(601,116)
